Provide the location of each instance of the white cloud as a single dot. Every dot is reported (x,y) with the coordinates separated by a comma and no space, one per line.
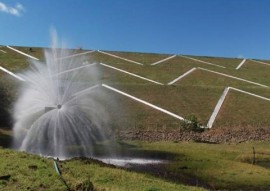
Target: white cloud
(16,11)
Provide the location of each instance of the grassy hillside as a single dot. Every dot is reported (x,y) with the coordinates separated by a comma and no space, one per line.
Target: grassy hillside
(196,94)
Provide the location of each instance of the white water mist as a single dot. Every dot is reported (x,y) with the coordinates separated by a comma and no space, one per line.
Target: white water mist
(60,110)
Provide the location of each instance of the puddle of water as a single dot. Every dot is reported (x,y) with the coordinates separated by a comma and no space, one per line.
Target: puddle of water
(127,162)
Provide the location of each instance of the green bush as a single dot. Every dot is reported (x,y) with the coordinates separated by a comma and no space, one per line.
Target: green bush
(191,124)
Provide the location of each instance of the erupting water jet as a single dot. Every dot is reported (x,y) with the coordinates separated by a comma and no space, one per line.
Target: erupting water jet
(60,111)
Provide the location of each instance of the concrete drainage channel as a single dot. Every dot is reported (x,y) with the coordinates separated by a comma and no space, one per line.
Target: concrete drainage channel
(216,110)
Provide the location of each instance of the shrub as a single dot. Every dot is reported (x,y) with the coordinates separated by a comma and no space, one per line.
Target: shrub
(191,124)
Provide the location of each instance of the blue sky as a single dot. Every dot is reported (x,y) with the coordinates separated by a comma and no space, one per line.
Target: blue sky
(229,28)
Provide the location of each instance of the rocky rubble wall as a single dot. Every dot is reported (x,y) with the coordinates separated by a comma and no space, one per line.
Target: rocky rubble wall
(214,135)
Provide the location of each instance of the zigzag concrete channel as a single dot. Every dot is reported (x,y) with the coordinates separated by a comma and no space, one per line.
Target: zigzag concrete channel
(221,100)
(226,90)
(216,109)
(22,53)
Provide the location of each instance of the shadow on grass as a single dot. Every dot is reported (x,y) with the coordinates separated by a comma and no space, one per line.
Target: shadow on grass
(179,169)
(114,149)
(265,164)
(5,138)
(163,170)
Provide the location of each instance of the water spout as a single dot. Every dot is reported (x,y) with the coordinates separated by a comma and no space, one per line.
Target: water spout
(60,111)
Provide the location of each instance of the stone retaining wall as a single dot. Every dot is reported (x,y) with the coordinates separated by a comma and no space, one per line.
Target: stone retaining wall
(215,135)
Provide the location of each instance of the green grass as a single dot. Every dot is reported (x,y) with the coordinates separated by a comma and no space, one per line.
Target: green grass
(13,61)
(169,70)
(215,166)
(144,58)
(241,105)
(226,62)
(27,172)
(251,71)
(256,72)
(225,167)
(30,172)
(196,94)
(8,92)
(37,52)
(6,138)
(181,100)
(116,179)
(164,72)
(208,79)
